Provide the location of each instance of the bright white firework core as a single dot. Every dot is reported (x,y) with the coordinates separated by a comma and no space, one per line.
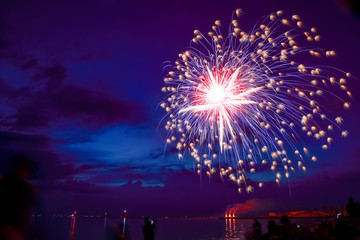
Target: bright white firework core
(216,94)
(218,98)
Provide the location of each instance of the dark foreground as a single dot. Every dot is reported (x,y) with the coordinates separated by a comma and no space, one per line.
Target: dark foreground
(57,228)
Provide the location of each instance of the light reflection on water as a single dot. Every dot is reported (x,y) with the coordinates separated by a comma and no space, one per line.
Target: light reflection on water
(176,229)
(236,228)
(72,233)
(230,229)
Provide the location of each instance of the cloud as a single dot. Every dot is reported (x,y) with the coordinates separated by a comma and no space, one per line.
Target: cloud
(4,88)
(49,164)
(74,186)
(29,116)
(96,107)
(86,167)
(4,43)
(70,103)
(53,76)
(115,176)
(32,63)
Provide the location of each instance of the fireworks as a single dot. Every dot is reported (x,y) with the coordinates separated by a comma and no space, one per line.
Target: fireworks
(244,101)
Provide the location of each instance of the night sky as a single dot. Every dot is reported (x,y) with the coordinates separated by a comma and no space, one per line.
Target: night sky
(80,91)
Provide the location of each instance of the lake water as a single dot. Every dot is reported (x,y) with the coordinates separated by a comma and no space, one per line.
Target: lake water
(57,228)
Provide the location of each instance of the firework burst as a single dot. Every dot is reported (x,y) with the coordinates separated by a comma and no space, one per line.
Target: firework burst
(244,101)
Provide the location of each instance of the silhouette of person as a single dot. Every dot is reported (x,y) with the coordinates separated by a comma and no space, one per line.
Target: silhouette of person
(285,227)
(255,231)
(272,231)
(148,229)
(353,208)
(256,224)
(16,200)
(344,230)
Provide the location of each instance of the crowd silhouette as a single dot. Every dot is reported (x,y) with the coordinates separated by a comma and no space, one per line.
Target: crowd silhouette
(341,228)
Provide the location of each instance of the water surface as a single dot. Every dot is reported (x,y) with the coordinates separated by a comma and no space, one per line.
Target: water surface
(64,228)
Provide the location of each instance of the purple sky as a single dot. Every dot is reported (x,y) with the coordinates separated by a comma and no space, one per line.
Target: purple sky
(79,92)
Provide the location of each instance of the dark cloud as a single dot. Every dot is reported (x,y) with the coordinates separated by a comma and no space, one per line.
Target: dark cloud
(48,101)
(4,43)
(18,141)
(74,186)
(30,64)
(50,165)
(4,88)
(31,116)
(109,175)
(54,76)
(86,167)
(95,107)
(71,104)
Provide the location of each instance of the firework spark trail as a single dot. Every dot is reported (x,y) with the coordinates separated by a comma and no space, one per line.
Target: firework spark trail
(239,101)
